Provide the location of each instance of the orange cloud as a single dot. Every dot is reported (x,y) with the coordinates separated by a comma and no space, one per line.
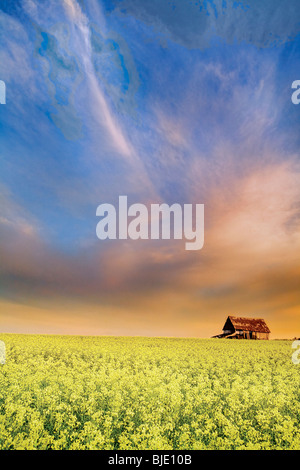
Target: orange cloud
(248,266)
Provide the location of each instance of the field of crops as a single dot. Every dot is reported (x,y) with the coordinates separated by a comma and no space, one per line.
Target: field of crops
(73,392)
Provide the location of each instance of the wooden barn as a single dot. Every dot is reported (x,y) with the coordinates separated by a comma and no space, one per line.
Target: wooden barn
(244,328)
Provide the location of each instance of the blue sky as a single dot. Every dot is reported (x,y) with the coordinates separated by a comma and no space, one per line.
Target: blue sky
(186,102)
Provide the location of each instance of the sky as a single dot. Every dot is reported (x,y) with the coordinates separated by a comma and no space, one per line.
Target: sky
(178,101)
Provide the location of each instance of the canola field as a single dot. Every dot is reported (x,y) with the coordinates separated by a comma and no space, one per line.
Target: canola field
(75,392)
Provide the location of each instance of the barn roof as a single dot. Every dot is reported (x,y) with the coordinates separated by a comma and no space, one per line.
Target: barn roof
(249,324)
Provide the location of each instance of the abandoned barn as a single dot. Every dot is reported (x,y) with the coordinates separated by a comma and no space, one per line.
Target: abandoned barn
(244,328)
